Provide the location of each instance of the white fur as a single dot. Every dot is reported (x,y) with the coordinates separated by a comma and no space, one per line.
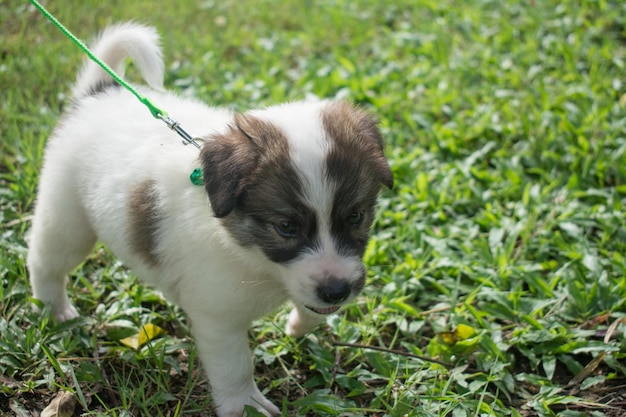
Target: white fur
(110,142)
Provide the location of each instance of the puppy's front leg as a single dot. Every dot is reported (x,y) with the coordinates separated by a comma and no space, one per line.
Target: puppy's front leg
(302,321)
(227,359)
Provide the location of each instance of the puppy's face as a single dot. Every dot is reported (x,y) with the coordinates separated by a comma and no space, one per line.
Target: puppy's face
(299,182)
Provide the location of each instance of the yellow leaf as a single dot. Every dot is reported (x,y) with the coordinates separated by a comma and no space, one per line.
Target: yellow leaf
(461,332)
(146,333)
(449,338)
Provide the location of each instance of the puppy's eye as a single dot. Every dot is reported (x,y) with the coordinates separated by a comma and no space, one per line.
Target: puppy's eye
(286,229)
(355,218)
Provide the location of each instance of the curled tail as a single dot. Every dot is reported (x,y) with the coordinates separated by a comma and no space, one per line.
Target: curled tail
(115,44)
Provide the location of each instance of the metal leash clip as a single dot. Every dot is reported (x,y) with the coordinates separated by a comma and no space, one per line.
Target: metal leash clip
(175,126)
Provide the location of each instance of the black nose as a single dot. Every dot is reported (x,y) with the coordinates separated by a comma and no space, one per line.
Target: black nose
(334,291)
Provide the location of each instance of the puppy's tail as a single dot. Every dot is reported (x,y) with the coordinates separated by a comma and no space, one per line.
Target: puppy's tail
(115,44)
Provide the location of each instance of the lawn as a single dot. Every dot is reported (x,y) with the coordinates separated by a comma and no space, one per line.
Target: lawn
(497,266)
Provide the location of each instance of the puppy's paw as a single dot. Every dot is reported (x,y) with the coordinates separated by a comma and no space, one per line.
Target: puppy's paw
(294,325)
(300,323)
(52,294)
(62,309)
(234,406)
(67,312)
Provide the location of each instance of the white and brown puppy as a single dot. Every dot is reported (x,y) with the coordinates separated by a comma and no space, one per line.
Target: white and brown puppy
(284,211)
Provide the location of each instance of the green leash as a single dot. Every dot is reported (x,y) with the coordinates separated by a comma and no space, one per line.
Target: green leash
(196,175)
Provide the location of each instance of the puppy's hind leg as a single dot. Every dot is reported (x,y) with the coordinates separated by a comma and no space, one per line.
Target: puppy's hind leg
(61,237)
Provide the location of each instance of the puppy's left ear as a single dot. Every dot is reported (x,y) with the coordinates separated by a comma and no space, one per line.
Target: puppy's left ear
(357,131)
(366,127)
(382,166)
(227,160)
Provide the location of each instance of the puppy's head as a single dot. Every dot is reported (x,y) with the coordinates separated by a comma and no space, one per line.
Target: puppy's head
(299,182)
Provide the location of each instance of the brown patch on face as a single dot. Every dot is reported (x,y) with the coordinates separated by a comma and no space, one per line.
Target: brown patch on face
(254,188)
(231,161)
(144,221)
(258,193)
(357,167)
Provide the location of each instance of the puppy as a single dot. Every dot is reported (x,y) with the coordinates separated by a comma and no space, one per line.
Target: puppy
(283,212)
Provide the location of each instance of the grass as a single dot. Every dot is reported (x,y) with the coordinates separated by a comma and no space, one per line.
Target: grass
(501,251)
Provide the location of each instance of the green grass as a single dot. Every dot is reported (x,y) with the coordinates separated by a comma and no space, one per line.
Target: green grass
(505,124)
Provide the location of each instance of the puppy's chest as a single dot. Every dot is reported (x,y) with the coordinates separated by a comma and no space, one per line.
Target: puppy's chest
(236,297)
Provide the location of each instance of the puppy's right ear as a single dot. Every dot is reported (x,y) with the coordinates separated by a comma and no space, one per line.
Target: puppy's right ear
(227,161)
